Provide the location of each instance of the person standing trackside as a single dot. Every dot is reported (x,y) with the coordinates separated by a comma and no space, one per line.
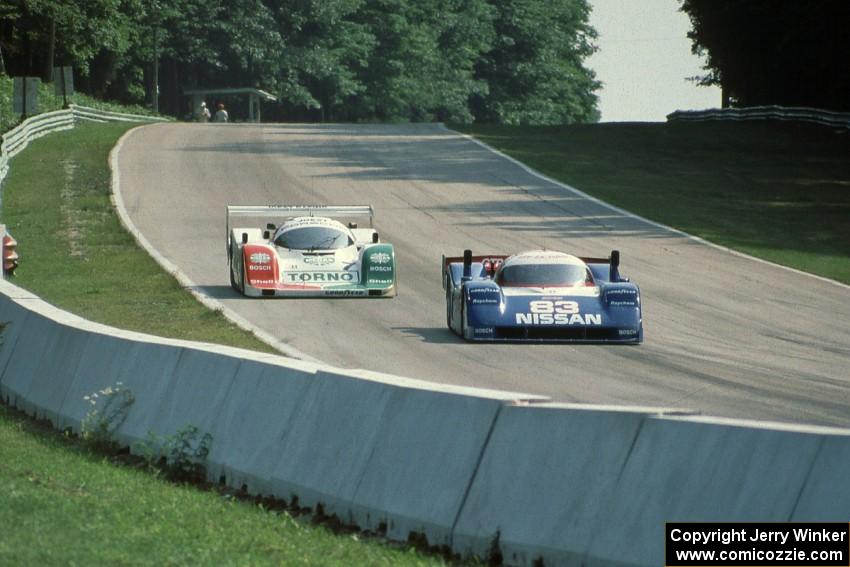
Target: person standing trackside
(203,113)
(220,114)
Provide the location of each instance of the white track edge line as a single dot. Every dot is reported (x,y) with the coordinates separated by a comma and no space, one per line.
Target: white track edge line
(575,191)
(182,278)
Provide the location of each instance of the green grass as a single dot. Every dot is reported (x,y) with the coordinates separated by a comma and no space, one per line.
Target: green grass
(776,190)
(75,253)
(62,504)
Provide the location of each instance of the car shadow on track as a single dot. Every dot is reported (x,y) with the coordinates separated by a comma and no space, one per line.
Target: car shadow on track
(435,335)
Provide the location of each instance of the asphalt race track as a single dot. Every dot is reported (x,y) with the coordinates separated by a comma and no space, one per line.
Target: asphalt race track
(724,334)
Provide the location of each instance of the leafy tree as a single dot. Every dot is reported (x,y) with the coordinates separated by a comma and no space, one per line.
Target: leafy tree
(249,45)
(325,48)
(42,33)
(422,65)
(517,61)
(198,43)
(774,51)
(535,70)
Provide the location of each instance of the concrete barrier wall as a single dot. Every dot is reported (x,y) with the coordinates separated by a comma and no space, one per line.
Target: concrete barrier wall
(472,469)
(559,464)
(427,447)
(601,482)
(380,451)
(699,470)
(263,400)
(825,497)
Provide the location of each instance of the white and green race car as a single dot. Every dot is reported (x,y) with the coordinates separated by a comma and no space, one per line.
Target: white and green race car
(309,254)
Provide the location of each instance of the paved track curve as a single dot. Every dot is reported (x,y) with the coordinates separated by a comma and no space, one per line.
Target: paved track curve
(724,334)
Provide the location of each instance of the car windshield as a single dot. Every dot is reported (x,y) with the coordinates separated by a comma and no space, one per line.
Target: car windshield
(545,275)
(314,238)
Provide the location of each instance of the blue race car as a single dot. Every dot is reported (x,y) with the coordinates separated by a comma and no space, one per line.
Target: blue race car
(541,296)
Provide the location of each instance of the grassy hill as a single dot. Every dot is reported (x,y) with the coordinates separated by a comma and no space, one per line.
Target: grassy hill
(776,190)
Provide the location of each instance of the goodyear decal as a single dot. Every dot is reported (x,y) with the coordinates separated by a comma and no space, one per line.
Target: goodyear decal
(345,292)
(622,297)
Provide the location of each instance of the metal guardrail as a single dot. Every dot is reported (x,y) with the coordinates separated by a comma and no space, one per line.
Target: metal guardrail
(797,114)
(16,139)
(30,129)
(95,115)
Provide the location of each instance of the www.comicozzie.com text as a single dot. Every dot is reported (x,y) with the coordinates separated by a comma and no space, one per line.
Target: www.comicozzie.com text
(801,535)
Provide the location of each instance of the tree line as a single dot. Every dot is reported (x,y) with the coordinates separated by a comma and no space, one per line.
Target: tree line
(783,52)
(502,61)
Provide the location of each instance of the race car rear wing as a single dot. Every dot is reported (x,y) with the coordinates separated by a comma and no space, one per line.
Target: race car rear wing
(291,211)
(613,261)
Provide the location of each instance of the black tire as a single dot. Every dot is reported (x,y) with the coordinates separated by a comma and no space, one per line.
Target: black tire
(233,283)
(449,307)
(462,316)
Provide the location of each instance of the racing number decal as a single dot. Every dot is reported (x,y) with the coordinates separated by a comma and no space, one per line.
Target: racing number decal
(560,306)
(558,312)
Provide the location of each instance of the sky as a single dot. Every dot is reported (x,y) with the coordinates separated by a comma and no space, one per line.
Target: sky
(643,61)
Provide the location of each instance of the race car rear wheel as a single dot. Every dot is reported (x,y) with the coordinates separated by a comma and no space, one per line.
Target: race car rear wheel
(449,308)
